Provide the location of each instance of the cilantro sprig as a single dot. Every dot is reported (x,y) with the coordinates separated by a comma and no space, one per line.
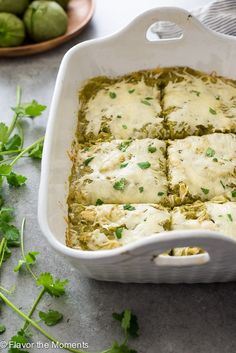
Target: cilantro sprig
(11,151)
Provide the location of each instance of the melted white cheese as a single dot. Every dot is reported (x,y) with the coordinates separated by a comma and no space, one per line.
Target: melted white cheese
(126,114)
(142,222)
(201,103)
(222,219)
(105,171)
(189,164)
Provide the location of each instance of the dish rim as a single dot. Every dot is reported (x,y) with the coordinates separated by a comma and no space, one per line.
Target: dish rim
(175,235)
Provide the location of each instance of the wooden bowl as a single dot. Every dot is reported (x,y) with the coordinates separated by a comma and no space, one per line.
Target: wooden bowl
(79,14)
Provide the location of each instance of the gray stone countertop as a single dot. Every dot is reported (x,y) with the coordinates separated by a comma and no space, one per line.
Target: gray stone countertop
(173,318)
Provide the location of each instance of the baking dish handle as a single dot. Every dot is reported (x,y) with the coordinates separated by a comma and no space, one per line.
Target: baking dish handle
(192,28)
(218,249)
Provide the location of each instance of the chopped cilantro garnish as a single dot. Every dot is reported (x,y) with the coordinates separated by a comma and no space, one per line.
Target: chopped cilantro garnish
(205,191)
(148,98)
(151,149)
(230,217)
(160,193)
(141,189)
(88,160)
(99,202)
(217,98)
(118,232)
(234,193)
(129,207)
(223,185)
(124,145)
(131,91)
(119,116)
(145,102)
(120,184)
(123,165)
(125,127)
(112,95)
(215,160)
(144,165)
(196,92)
(212,111)
(210,152)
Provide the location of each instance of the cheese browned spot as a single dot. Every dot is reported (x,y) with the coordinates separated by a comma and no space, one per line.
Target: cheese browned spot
(110,226)
(197,105)
(118,169)
(203,167)
(126,110)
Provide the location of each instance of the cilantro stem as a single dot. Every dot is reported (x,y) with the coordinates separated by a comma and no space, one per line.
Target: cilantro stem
(3,245)
(5,153)
(35,325)
(6,290)
(26,150)
(39,297)
(21,133)
(23,249)
(15,117)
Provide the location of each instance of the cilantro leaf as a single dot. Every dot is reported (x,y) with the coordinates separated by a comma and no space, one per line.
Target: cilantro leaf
(205,191)
(120,184)
(3,133)
(31,110)
(30,259)
(54,287)
(151,149)
(37,151)
(19,338)
(88,160)
(233,193)
(129,322)
(230,217)
(210,152)
(212,111)
(99,202)
(13,143)
(196,92)
(128,207)
(112,95)
(144,165)
(6,214)
(51,318)
(123,165)
(145,102)
(17,180)
(124,145)
(10,233)
(123,348)
(118,232)
(2,329)
(5,169)
(160,193)
(141,189)
(131,91)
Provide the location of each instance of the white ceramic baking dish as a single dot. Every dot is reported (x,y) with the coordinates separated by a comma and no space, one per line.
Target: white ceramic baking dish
(120,53)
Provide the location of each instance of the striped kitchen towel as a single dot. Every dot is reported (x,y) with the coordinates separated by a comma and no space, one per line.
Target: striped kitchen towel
(219,15)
